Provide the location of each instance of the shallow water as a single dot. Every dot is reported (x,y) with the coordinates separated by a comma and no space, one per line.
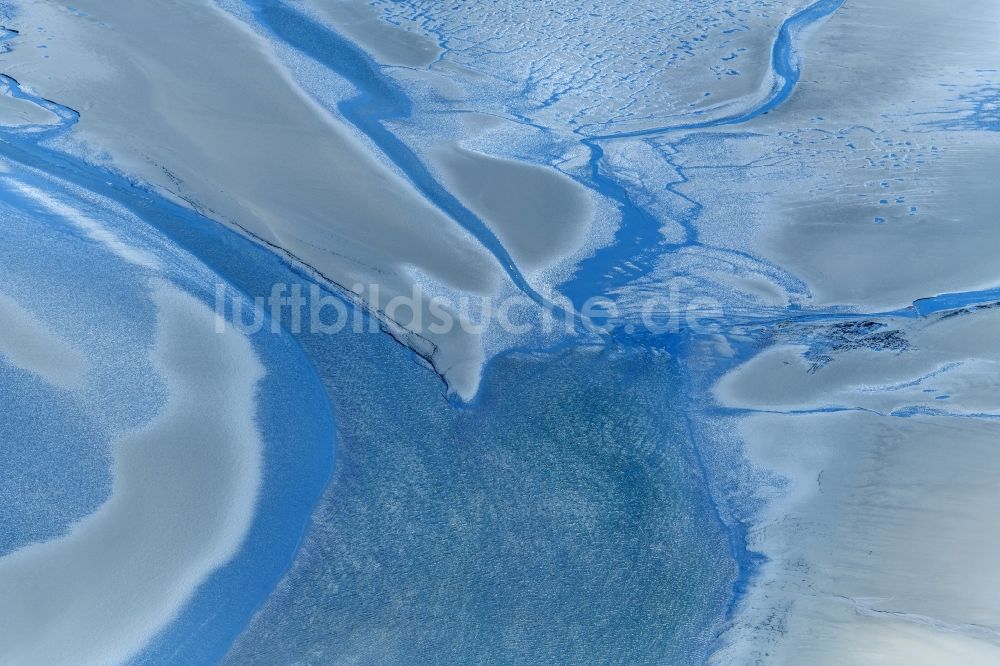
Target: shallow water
(591,505)
(563,518)
(506,513)
(57,448)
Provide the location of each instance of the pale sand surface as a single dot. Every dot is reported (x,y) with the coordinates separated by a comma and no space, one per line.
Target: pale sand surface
(27,343)
(182,501)
(611,65)
(872,185)
(881,73)
(184,96)
(93,229)
(953,363)
(538,214)
(361,22)
(881,541)
(883,549)
(16,112)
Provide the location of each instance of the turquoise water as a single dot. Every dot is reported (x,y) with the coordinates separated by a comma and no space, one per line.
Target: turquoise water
(563,513)
(56,445)
(568,515)
(562,519)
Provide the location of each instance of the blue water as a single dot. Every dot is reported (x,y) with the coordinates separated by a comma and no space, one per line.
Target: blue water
(42,255)
(570,514)
(410,464)
(110,314)
(637,245)
(420,424)
(563,519)
(393,573)
(40,494)
(784,64)
(956,301)
(379,100)
(66,116)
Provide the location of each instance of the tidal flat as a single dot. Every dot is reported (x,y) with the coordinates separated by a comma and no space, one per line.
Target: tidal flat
(759,431)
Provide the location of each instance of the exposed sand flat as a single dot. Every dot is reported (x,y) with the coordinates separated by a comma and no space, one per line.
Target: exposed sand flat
(361,22)
(953,363)
(27,343)
(893,207)
(538,214)
(182,501)
(93,229)
(606,65)
(872,185)
(882,547)
(184,96)
(16,112)
(883,550)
